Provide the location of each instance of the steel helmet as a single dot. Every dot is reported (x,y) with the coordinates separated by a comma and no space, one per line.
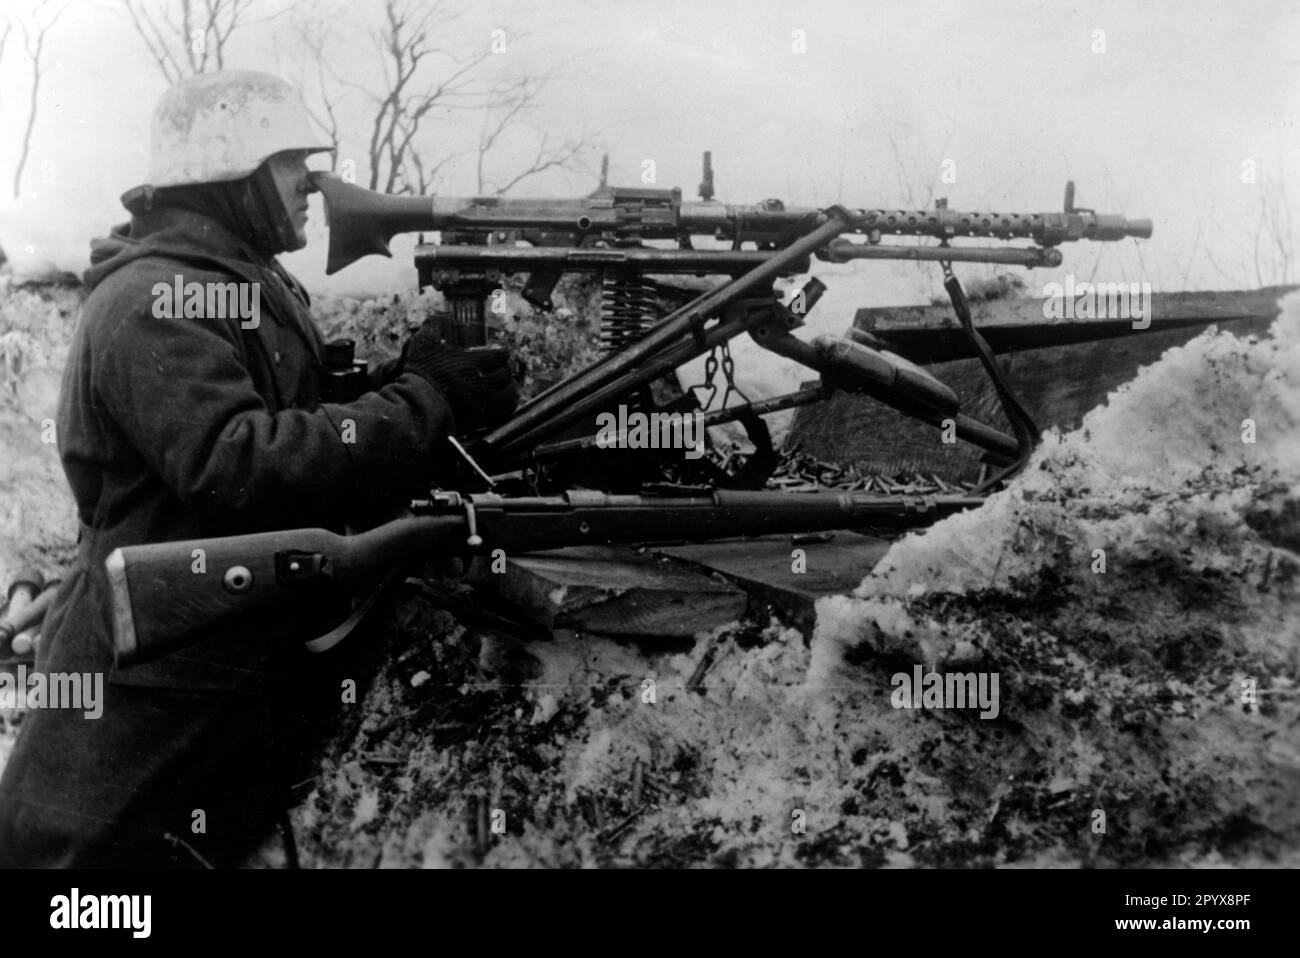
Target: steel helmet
(221,126)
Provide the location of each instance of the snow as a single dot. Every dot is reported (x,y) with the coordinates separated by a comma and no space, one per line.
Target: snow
(1159,471)
(1121,691)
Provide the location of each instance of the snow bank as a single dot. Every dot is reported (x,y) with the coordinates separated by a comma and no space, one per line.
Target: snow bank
(1164,472)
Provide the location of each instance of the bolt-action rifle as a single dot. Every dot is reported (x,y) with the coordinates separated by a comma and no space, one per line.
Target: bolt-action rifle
(248,573)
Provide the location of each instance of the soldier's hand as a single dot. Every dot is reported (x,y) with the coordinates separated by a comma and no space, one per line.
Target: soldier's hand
(477,383)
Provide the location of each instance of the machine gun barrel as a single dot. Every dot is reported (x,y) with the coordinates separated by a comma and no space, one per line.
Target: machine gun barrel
(1049,229)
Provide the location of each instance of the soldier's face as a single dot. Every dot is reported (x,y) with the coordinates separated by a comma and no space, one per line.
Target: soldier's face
(289,171)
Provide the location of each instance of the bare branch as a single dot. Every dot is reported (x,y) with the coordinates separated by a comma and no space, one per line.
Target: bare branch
(34,44)
(423,74)
(1278,214)
(187,37)
(171,42)
(1259,229)
(1191,257)
(516,100)
(560,157)
(313,37)
(148,31)
(4,38)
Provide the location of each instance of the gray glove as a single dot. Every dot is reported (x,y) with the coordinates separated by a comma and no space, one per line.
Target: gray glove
(477,383)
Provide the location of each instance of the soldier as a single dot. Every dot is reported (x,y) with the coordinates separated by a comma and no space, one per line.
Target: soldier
(177,426)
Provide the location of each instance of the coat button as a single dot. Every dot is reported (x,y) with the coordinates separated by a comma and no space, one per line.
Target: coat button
(277,357)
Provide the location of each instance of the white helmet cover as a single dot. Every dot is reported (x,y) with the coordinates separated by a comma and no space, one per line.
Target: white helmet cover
(221,126)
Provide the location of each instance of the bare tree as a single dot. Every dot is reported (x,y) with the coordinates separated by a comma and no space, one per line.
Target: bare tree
(1256,240)
(424,82)
(44,17)
(4,38)
(1274,234)
(515,102)
(189,37)
(915,191)
(313,35)
(410,90)
(418,176)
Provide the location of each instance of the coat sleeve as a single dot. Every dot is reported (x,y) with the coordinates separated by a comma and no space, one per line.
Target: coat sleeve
(381,372)
(181,393)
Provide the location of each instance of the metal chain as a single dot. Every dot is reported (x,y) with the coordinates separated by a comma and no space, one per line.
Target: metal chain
(729,371)
(728,366)
(710,371)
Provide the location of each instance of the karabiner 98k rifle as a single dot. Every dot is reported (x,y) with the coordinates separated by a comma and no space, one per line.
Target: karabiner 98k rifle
(248,573)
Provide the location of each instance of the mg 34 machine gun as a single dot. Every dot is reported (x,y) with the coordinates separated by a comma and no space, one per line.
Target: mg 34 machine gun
(626,237)
(610,234)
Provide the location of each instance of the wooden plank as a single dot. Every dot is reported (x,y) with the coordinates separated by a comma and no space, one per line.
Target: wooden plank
(1203,307)
(613,590)
(1058,386)
(765,566)
(932,334)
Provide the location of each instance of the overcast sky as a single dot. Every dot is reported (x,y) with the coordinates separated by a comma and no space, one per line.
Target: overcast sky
(1019,96)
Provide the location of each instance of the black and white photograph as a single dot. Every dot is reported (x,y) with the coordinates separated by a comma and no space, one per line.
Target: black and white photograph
(651,435)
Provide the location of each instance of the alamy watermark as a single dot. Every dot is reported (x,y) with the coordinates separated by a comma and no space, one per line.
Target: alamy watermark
(193,300)
(77,911)
(656,430)
(946,690)
(1098,301)
(53,690)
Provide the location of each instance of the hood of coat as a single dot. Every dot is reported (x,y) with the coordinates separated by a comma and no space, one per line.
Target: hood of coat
(182,233)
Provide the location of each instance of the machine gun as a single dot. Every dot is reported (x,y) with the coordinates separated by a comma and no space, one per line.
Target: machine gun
(609,233)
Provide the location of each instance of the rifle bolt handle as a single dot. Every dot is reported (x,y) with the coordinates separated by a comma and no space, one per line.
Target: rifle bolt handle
(471,521)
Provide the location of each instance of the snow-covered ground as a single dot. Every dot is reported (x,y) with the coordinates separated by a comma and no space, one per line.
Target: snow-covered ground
(1155,699)
(1147,713)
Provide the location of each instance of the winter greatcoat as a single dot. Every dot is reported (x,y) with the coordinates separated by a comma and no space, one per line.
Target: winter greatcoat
(175,428)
